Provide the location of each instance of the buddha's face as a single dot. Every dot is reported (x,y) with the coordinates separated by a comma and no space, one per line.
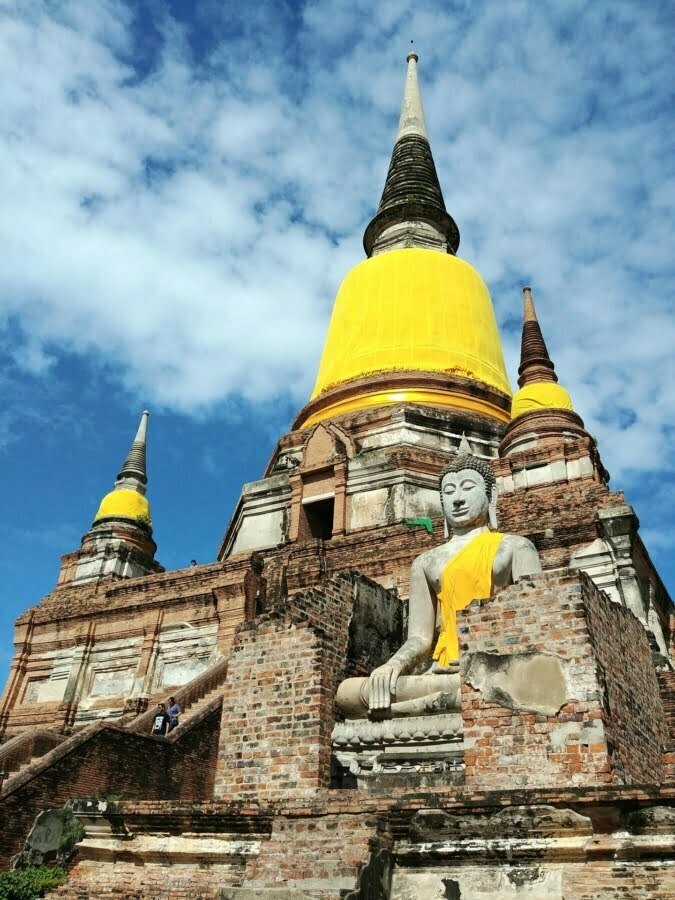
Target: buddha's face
(465,499)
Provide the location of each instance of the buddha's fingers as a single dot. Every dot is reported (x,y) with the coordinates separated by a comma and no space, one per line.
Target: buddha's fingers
(379,691)
(372,699)
(392,687)
(386,691)
(383,692)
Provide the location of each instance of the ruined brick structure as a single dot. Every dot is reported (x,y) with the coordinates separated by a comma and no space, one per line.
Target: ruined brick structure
(556,775)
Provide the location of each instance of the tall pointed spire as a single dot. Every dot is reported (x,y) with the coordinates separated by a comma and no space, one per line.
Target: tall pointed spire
(542,413)
(134,464)
(535,363)
(412,211)
(413,323)
(412,112)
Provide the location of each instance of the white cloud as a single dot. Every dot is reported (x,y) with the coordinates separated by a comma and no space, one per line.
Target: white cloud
(188,229)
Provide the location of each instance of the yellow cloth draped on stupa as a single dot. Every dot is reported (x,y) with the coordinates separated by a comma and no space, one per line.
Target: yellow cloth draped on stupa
(412,310)
(540,395)
(467,577)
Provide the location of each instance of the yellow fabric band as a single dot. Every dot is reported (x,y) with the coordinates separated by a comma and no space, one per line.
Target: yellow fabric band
(388,397)
(542,395)
(125,504)
(415,310)
(467,577)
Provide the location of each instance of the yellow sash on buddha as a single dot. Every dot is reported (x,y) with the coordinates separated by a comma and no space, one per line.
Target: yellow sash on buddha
(467,577)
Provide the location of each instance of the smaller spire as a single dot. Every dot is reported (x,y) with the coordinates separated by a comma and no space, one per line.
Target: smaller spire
(127,500)
(134,465)
(535,363)
(412,112)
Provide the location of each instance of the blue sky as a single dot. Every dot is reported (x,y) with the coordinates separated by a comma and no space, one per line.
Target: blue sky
(184,185)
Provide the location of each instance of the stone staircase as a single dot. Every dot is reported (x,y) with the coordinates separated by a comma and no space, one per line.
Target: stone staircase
(26,749)
(18,752)
(191,698)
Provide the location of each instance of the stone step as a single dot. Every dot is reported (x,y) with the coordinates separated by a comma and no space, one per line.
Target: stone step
(195,708)
(203,687)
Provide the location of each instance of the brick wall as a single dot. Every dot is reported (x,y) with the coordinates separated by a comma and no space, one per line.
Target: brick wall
(275,731)
(278,701)
(383,554)
(559,518)
(599,838)
(110,760)
(332,847)
(601,734)
(23,747)
(619,881)
(124,610)
(634,716)
(667,689)
(151,879)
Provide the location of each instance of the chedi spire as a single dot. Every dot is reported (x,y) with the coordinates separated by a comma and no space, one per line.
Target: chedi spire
(412,211)
(134,465)
(537,380)
(542,413)
(127,499)
(535,363)
(412,112)
(119,543)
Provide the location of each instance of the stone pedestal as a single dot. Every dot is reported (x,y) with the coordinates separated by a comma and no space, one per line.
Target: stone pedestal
(415,751)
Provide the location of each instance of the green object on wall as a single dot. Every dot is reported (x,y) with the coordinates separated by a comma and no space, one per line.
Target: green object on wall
(425,523)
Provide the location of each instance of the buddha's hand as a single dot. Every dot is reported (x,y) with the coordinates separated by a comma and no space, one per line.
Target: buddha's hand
(382,684)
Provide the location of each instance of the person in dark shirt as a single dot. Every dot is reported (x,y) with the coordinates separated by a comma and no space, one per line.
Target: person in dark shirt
(174,712)
(161,722)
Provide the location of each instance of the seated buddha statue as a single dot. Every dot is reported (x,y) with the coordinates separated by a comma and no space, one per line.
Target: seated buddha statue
(475,561)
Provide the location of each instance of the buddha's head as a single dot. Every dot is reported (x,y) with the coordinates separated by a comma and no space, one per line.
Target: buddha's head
(468,493)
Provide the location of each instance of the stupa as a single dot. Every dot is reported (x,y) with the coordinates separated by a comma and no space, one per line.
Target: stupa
(432,658)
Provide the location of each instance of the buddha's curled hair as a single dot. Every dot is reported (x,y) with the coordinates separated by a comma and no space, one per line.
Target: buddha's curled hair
(469,461)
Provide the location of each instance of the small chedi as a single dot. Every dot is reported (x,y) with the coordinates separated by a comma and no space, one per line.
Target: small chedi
(432,658)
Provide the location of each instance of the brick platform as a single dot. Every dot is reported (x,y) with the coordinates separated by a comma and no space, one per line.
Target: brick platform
(577,842)
(611,727)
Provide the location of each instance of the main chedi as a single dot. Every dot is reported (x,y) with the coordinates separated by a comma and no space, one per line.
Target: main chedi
(413,322)
(504,724)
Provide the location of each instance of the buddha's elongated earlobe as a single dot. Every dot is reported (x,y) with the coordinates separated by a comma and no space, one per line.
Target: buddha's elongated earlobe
(492,509)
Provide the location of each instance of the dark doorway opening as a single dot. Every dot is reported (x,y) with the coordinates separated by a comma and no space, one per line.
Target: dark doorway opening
(319,518)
